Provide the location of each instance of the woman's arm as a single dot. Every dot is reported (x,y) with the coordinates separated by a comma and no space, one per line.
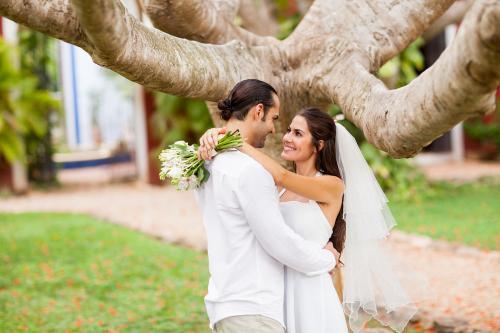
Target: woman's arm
(322,189)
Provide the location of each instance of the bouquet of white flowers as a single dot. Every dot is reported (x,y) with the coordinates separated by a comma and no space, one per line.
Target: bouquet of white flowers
(180,161)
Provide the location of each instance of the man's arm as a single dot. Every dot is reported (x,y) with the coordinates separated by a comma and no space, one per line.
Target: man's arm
(256,193)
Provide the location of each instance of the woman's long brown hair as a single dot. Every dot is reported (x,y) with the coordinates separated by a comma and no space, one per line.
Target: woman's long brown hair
(322,127)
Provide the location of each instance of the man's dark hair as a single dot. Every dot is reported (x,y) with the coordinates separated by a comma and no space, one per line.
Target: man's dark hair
(244,96)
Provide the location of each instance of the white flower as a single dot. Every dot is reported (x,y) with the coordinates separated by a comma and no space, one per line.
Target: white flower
(193,181)
(175,172)
(167,165)
(180,159)
(168,154)
(183,184)
(181,142)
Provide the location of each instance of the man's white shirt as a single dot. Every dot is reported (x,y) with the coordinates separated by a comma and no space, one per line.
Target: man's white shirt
(249,242)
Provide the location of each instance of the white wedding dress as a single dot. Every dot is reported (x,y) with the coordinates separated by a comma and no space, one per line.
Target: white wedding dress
(312,304)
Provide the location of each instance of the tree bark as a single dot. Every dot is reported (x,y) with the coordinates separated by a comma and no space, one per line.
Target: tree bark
(460,84)
(257,17)
(54,18)
(209,21)
(329,58)
(453,15)
(158,60)
(376,30)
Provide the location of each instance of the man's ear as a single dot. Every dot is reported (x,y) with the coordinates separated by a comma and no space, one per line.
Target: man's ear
(259,111)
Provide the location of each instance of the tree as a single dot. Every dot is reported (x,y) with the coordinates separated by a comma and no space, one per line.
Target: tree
(196,50)
(37,59)
(24,107)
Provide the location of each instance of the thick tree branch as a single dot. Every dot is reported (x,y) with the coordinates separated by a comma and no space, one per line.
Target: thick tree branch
(160,61)
(460,84)
(258,18)
(379,29)
(209,21)
(454,14)
(54,18)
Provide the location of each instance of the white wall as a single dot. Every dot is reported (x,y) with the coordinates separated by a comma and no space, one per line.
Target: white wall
(98,103)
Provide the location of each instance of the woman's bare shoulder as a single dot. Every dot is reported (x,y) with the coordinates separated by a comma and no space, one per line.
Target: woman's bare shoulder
(334,181)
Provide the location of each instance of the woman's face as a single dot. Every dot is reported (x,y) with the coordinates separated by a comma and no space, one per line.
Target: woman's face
(297,141)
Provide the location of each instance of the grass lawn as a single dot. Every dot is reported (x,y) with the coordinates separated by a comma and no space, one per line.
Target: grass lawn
(468,214)
(72,273)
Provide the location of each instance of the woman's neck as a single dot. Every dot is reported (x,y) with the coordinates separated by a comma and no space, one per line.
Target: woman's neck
(306,168)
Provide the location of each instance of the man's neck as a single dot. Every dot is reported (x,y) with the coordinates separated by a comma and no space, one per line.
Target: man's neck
(234,124)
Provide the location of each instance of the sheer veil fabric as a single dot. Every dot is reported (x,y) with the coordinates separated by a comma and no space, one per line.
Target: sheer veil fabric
(375,285)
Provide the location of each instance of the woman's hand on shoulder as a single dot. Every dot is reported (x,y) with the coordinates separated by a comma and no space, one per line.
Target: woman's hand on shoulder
(208,142)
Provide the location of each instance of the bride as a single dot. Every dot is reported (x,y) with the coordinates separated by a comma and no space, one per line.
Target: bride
(333,196)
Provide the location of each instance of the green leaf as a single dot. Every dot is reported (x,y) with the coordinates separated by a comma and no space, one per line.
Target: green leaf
(408,71)
(206,175)
(11,147)
(416,58)
(390,68)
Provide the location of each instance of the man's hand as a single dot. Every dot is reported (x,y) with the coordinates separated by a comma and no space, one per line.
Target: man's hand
(330,248)
(208,141)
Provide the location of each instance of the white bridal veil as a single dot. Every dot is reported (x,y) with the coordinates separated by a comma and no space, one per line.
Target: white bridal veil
(372,287)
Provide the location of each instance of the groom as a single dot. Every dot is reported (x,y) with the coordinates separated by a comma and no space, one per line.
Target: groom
(248,240)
